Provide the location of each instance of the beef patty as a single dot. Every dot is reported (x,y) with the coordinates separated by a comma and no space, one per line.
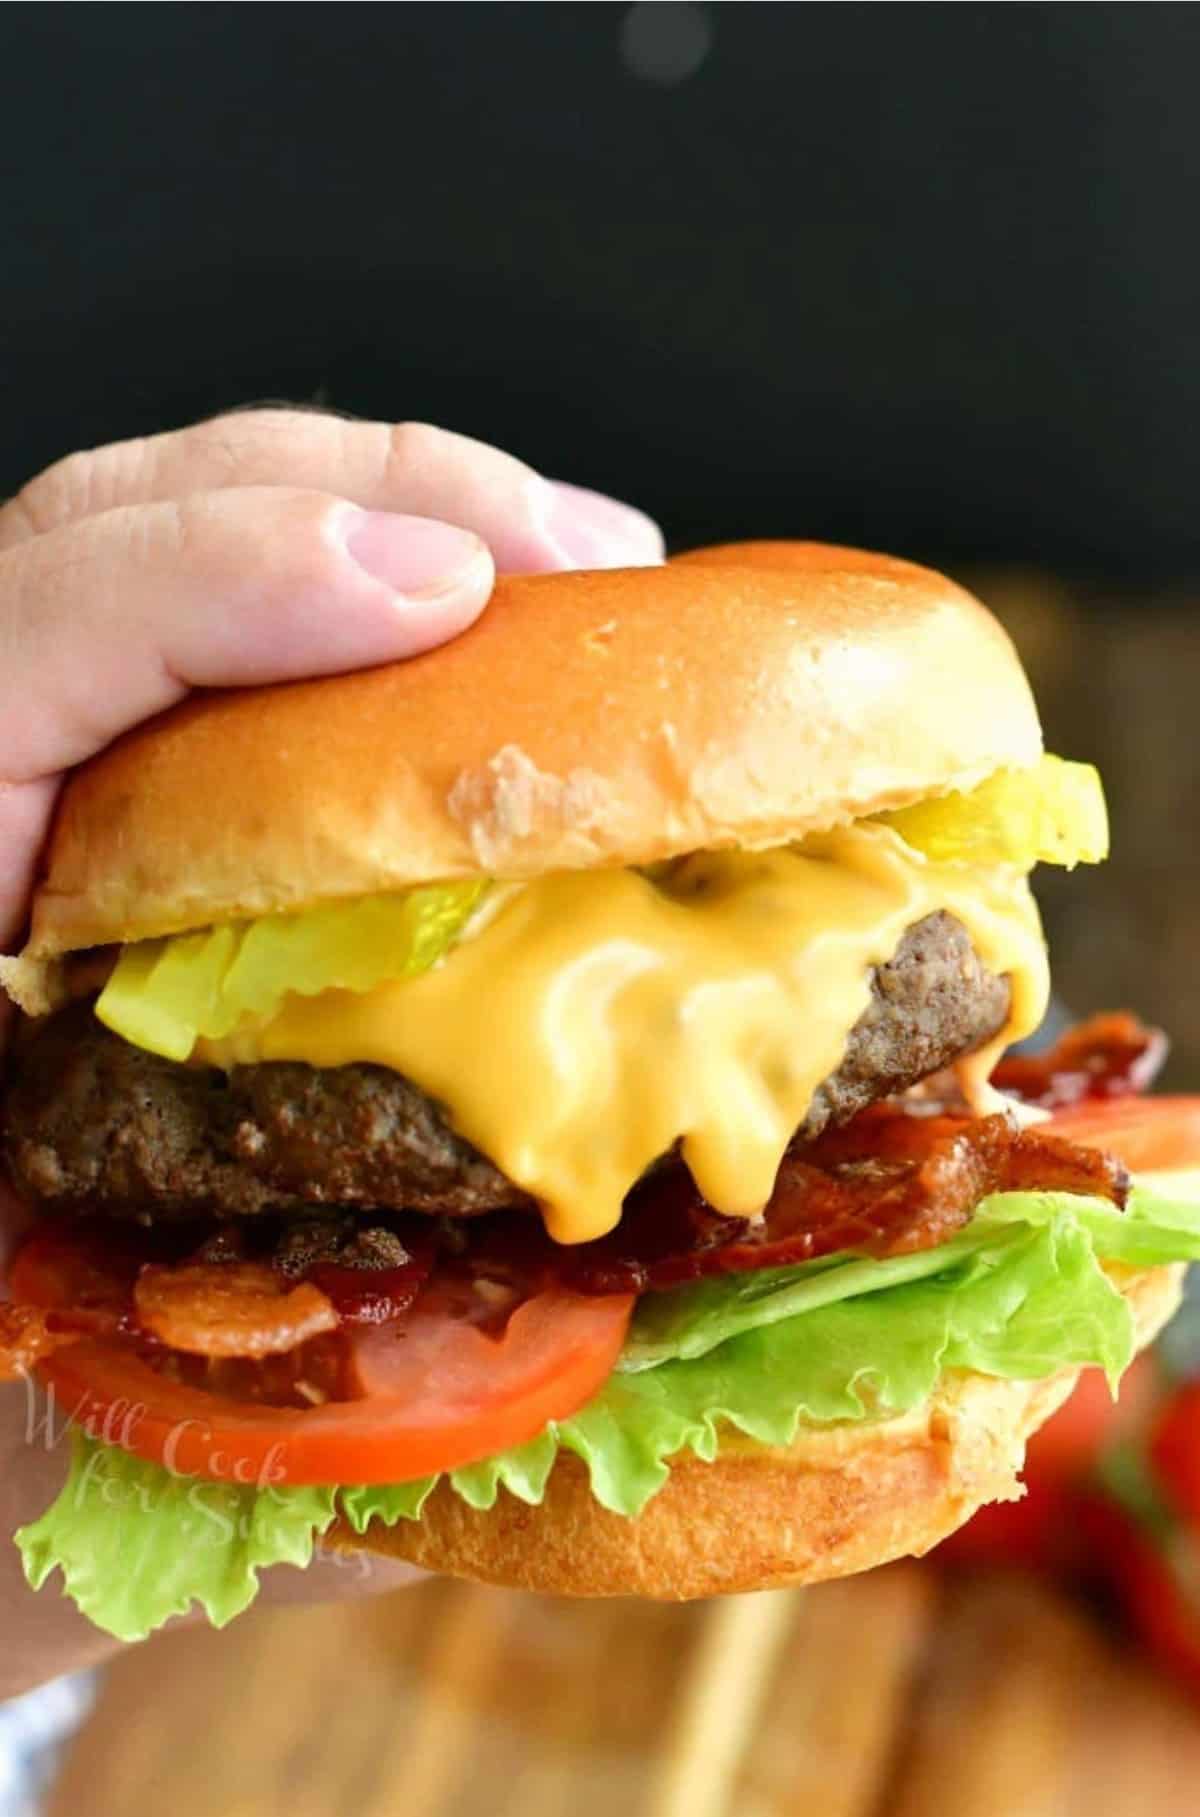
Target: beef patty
(90,1122)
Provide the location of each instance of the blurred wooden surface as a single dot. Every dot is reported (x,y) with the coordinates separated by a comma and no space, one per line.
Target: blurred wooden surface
(892,1695)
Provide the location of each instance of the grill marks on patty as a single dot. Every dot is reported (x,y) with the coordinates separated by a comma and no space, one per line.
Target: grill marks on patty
(91,1121)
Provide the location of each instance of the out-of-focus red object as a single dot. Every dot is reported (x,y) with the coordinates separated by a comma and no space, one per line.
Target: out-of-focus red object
(1174,1451)
(1155,1577)
(1040,1531)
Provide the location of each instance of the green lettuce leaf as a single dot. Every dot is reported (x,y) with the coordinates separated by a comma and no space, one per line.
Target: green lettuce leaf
(694,1320)
(166,994)
(137,1545)
(1020,1293)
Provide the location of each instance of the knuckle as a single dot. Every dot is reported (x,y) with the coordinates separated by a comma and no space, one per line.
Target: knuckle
(57,495)
(274,416)
(236,442)
(317,547)
(439,466)
(17,524)
(265,445)
(262,536)
(412,448)
(256,419)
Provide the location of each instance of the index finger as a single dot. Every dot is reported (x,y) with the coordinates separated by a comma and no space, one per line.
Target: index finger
(530,523)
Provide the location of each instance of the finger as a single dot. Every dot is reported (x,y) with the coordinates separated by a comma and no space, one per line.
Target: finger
(114,618)
(531,524)
(598,521)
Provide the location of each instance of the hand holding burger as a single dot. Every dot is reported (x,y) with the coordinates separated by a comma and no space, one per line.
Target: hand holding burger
(534,1110)
(257,548)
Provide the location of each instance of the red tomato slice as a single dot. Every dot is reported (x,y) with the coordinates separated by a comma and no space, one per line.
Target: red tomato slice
(1155,1579)
(435,1390)
(1146,1133)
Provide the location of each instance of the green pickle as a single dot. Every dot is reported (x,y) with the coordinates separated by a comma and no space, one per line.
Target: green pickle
(165,995)
(1052,814)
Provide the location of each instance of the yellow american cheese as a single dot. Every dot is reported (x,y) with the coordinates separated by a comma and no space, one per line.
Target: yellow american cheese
(587,1021)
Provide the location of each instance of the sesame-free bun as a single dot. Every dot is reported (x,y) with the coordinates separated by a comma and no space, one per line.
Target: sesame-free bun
(839,1500)
(738,696)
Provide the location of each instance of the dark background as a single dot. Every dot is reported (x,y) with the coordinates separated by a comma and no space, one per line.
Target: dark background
(921,276)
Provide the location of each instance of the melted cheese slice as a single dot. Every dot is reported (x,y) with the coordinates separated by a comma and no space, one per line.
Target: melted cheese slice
(588,1021)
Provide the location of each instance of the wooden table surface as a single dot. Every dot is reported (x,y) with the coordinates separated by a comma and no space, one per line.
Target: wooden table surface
(898,1694)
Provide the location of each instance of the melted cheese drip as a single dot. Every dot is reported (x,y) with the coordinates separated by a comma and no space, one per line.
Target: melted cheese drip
(590,1020)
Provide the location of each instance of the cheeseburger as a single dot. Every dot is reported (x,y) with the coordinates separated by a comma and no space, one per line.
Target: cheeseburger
(538,1110)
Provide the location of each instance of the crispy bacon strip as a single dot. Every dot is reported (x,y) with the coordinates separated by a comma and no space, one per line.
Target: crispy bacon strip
(886,1184)
(218,1302)
(230,1309)
(25,1338)
(1108,1056)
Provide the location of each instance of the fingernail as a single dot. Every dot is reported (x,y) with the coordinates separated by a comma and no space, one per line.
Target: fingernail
(415,556)
(600,532)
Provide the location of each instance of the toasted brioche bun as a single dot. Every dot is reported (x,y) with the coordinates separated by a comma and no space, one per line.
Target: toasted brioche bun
(839,1500)
(738,696)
